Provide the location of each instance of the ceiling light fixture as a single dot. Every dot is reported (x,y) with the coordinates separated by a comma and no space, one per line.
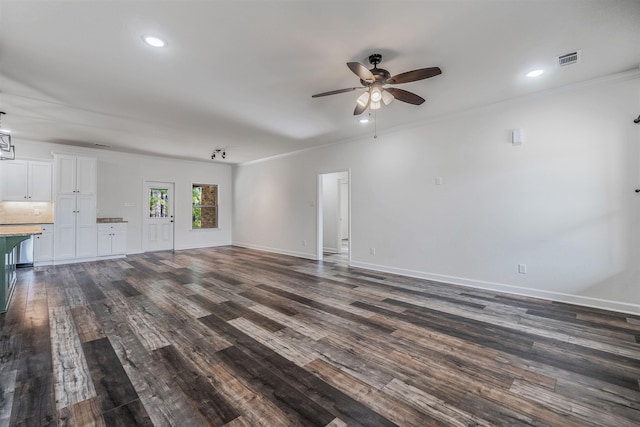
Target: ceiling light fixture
(154,41)
(364,120)
(219,152)
(376,94)
(535,73)
(7,150)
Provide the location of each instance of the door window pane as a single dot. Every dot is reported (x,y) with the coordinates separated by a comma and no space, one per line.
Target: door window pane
(158,203)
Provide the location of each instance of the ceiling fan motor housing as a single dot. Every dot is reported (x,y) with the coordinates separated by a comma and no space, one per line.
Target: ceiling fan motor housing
(381,76)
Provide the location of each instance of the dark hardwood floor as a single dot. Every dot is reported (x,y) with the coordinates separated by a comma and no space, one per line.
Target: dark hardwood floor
(235,337)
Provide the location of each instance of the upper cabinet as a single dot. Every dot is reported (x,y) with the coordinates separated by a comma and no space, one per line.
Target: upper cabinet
(75,175)
(26,181)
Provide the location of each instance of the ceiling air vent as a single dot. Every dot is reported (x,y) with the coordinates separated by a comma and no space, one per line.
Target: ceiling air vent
(569,58)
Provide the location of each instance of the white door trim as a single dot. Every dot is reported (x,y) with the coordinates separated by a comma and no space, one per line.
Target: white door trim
(319,225)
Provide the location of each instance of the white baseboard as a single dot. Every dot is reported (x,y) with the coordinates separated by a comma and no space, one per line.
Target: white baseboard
(200,246)
(276,251)
(622,307)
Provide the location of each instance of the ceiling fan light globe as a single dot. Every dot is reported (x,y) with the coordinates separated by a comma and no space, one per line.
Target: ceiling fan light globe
(363,99)
(376,95)
(387,98)
(375,105)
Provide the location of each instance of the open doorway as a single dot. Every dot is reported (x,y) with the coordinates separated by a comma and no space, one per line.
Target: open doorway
(334,237)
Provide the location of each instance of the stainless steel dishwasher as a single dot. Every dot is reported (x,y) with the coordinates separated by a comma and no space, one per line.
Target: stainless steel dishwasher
(25,253)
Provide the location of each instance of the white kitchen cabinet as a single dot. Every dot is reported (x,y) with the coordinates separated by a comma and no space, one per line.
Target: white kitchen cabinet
(75,175)
(43,245)
(75,227)
(26,181)
(112,239)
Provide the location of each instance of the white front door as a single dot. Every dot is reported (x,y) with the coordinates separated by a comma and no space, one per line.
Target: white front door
(158,216)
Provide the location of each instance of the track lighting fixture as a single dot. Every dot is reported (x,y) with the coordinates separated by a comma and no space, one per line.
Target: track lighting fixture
(219,152)
(637,121)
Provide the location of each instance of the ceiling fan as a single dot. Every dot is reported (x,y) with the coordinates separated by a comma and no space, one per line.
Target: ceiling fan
(374,80)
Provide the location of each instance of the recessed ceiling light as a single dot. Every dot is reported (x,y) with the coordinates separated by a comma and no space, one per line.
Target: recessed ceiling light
(154,41)
(535,73)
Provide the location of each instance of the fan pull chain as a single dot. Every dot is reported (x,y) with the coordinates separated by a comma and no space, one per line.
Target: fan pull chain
(375,124)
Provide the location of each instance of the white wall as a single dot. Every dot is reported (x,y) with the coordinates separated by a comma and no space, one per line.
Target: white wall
(563,202)
(120,183)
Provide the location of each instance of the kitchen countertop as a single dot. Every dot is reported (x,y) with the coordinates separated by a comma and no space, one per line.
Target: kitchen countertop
(4,224)
(109,220)
(19,230)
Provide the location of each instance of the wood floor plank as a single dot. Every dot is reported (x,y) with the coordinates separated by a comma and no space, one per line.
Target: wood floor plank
(392,409)
(112,385)
(72,380)
(33,402)
(85,413)
(432,406)
(257,409)
(292,322)
(202,396)
(289,350)
(7,392)
(87,324)
(553,400)
(239,337)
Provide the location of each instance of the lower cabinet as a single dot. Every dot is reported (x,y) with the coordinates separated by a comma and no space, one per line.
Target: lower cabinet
(75,227)
(43,245)
(112,239)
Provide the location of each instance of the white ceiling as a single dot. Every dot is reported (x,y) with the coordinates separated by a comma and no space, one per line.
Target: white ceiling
(239,74)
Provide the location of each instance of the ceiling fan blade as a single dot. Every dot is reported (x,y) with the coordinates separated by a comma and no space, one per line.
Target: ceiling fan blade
(362,104)
(412,76)
(334,92)
(361,71)
(405,96)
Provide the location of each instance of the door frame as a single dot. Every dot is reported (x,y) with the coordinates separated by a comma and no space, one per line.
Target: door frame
(145,212)
(340,208)
(319,225)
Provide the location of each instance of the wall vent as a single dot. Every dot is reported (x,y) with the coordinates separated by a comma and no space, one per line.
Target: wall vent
(569,58)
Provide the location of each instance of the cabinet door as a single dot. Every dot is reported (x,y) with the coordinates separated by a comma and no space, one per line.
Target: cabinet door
(86,177)
(65,227)
(39,181)
(86,228)
(65,181)
(14,180)
(119,239)
(43,246)
(104,242)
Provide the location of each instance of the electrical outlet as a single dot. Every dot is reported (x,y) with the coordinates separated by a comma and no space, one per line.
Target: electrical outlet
(522,268)
(373,251)
(36,211)
(304,243)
